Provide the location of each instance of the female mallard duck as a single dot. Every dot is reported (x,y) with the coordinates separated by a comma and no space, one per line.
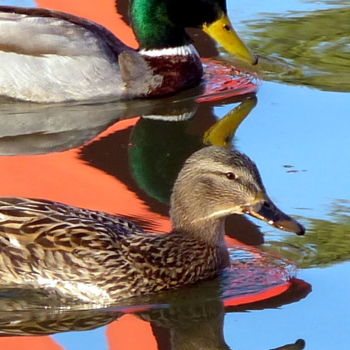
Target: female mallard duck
(48,56)
(100,258)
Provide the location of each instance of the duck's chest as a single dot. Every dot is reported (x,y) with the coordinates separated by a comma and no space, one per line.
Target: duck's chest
(178,69)
(156,269)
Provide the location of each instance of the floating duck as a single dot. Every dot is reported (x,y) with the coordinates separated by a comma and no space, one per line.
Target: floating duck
(49,56)
(99,258)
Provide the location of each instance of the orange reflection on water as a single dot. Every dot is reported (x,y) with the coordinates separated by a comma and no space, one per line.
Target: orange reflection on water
(102,12)
(37,343)
(64,178)
(130,333)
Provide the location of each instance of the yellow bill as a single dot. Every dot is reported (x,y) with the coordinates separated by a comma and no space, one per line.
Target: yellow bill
(222,32)
(222,132)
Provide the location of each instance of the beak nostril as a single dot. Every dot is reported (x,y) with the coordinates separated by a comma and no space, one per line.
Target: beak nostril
(256,61)
(267,205)
(245,210)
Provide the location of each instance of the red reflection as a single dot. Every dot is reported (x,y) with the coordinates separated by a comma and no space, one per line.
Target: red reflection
(130,333)
(266,294)
(102,12)
(37,343)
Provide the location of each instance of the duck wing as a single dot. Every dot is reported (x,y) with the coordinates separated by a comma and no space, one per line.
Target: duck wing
(50,223)
(48,56)
(48,24)
(45,243)
(65,251)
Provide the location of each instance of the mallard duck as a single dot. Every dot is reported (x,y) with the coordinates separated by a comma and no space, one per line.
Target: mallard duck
(49,56)
(100,258)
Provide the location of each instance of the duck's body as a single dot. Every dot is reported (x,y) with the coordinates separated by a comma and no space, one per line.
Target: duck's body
(48,56)
(90,255)
(99,258)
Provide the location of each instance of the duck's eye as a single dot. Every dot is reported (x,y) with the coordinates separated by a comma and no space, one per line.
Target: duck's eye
(231,176)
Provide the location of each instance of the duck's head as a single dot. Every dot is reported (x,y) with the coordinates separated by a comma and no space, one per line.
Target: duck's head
(216,182)
(161,24)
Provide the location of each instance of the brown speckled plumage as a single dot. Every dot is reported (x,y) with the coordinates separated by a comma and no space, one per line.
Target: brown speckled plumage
(70,247)
(100,258)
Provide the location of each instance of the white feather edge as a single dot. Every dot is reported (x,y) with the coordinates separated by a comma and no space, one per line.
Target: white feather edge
(185,50)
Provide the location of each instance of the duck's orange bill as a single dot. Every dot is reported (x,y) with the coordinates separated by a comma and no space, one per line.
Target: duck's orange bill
(222,32)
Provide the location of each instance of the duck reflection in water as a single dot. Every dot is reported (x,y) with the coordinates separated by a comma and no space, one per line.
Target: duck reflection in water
(190,318)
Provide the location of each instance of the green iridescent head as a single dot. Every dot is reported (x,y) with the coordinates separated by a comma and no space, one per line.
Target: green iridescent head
(161,24)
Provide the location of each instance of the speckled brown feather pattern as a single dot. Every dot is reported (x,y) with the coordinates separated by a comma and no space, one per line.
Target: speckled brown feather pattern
(86,254)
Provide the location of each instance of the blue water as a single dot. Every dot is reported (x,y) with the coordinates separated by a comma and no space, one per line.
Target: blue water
(24,3)
(320,319)
(308,129)
(94,339)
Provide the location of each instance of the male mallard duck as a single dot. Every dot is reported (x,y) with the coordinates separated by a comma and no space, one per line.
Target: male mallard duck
(48,56)
(101,258)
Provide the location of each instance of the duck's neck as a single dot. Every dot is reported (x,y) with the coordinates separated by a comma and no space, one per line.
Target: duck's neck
(152,26)
(210,231)
(209,235)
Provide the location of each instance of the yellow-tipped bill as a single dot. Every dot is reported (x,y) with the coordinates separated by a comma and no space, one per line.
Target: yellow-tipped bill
(222,31)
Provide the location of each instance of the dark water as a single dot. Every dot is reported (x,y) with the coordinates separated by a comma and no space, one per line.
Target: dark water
(297,134)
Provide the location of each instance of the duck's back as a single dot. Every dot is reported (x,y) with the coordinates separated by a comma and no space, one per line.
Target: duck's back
(47,56)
